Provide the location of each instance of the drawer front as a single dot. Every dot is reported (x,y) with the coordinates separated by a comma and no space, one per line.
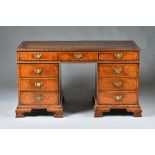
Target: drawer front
(118,83)
(38,70)
(38,84)
(78,56)
(117,97)
(39,98)
(118,70)
(118,56)
(37,56)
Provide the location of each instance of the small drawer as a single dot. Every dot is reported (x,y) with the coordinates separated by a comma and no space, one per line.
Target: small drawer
(118,70)
(118,83)
(40,98)
(78,56)
(37,56)
(38,70)
(38,84)
(118,56)
(117,97)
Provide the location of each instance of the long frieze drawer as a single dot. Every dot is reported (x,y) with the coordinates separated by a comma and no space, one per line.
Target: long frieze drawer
(38,70)
(74,56)
(117,97)
(38,84)
(118,83)
(37,56)
(40,98)
(117,56)
(118,70)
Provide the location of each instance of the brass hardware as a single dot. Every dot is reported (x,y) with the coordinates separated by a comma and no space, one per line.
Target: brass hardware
(118,70)
(78,56)
(39,97)
(37,55)
(118,55)
(118,97)
(38,84)
(118,84)
(38,70)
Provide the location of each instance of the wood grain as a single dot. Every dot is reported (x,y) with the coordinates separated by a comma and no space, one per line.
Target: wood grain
(29,56)
(126,83)
(85,56)
(126,56)
(28,98)
(108,70)
(107,97)
(47,84)
(47,70)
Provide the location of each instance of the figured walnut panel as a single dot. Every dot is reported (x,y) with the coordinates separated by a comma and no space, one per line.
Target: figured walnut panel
(126,70)
(78,56)
(120,55)
(118,83)
(47,70)
(30,56)
(47,84)
(28,98)
(108,97)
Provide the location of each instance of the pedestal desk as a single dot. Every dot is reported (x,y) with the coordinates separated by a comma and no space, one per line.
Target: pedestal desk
(39,74)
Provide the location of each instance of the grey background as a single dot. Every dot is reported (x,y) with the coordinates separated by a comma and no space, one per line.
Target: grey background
(78,80)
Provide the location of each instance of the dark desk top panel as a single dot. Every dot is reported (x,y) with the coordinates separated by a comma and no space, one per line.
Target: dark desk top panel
(78,46)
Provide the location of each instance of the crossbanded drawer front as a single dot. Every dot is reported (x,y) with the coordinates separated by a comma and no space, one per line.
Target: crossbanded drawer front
(119,56)
(117,97)
(78,56)
(38,70)
(37,56)
(39,98)
(38,84)
(118,70)
(117,83)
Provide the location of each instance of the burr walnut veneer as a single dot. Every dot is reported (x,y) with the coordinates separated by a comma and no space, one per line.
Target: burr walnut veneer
(117,74)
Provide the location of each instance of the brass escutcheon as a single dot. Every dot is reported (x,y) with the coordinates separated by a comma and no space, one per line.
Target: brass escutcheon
(37,55)
(39,97)
(118,97)
(118,84)
(118,55)
(38,84)
(118,70)
(38,70)
(78,56)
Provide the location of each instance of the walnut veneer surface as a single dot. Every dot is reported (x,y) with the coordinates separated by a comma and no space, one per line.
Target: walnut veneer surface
(117,82)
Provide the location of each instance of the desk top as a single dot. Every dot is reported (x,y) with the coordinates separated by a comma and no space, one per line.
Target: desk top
(78,46)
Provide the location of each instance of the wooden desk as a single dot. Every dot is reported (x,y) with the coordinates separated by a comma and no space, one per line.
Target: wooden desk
(39,75)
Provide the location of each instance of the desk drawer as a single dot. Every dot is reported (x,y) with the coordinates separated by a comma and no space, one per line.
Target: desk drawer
(78,56)
(118,56)
(117,97)
(118,83)
(37,56)
(38,70)
(39,98)
(118,70)
(38,84)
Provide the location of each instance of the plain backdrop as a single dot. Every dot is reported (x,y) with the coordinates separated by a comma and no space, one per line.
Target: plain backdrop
(78,80)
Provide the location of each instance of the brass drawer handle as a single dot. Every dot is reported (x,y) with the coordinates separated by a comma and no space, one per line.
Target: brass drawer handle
(37,55)
(39,97)
(38,84)
(118,55)
(38,70)
(118,84)
(78,56)
(118,97)
(118,70)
